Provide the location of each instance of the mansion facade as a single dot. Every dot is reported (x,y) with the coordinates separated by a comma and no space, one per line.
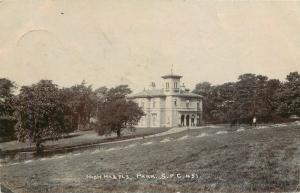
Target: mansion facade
(170,106)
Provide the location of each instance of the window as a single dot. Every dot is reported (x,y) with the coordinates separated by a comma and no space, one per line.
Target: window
(175,102)
(187,103)
(154,118)
(175,85)
(198,105)
(153,104)
(167,85)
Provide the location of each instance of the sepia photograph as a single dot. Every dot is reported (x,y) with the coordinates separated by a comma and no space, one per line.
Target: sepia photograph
(149,96)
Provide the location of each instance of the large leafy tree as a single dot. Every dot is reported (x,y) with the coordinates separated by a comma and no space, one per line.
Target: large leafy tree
(265,102)
(115,112)
(81,102)
(101,97)
(216,100)
(40,113)
(289,96)
(205,89)
(222,98)
(244,97)
(7,120)
(252,95)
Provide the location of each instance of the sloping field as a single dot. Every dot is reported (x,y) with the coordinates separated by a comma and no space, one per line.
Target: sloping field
(79,138)
(215,159)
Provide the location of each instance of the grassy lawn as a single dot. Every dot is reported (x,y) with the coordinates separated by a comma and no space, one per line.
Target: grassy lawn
(79,138)
(220,158)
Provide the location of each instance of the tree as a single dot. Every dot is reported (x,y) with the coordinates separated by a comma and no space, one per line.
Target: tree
(289,96)
(266,103)
(223,99)
(119,92)
(115,112)
(7,120)
(243,107)
(40,113)
(252,95)
(81,102)
(205,89)
(101,94)
(216,100)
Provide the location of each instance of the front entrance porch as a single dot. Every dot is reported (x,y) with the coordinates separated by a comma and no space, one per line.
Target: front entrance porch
(189,119)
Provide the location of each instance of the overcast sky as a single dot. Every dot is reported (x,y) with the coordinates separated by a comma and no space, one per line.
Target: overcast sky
(136,41)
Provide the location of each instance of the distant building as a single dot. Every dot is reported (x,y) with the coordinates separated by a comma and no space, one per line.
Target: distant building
(170,106)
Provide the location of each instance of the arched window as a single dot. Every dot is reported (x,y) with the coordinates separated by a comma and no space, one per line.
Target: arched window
(154,118)
(187,103)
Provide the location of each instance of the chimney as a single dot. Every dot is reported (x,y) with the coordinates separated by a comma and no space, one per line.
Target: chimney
(152,85)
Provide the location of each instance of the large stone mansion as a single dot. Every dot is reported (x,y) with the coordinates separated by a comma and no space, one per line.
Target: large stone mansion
(172,105)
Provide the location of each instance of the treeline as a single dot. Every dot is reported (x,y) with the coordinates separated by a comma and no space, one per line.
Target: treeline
(269,100)
(45,111)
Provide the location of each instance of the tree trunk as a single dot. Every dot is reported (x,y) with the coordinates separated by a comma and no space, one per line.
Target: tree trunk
(119,133)
(78,122)
(39,147)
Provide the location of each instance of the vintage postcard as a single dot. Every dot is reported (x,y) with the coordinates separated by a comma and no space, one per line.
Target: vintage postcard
(149,96)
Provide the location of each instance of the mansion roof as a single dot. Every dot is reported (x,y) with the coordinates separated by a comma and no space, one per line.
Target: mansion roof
(172,76)
(151,93)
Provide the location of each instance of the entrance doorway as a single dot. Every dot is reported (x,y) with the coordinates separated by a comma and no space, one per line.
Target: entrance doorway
(182,120)
(187,120)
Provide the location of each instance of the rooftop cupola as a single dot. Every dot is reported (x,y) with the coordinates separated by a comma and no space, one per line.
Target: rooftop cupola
(171,83)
